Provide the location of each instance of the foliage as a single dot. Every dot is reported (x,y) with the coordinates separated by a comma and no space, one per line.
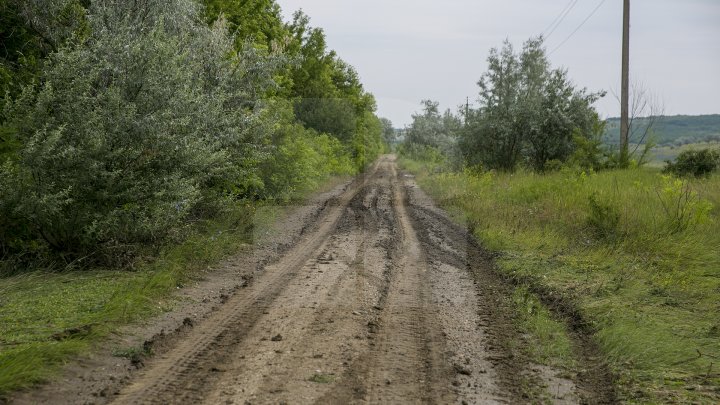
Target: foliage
(528,112)
(697,163)
(259,21)
(433,131)
(682,207)
(300,159)
(146,119)
(328,94)
(121,148)
(29,31)
(389,133)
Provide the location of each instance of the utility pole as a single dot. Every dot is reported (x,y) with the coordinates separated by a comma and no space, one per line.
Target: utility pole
(625,96)
(467,109)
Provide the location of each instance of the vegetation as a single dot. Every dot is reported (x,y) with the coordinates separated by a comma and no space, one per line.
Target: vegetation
(137,140)
(698,163)
(632,251)
(141,121)
(529,113)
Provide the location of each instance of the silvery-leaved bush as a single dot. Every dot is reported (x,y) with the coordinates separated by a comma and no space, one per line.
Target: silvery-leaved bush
(148,121)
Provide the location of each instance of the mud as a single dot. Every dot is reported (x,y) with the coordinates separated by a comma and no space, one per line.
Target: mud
(370,295)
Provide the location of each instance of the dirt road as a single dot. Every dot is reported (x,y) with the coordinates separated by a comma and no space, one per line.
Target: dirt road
(381,300)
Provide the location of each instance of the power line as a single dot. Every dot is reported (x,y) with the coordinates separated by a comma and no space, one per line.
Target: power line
(562,18)
(578,27)
(557,17)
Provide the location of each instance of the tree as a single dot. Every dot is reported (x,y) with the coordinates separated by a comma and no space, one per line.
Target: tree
(142,126)
(259,21)
(328,94)
(529,112)
(431,128)
(388,131)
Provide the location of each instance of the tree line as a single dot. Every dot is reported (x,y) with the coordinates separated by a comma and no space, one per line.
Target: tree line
(125,122)
(530,115)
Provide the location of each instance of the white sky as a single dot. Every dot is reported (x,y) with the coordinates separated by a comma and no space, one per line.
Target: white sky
(409,50)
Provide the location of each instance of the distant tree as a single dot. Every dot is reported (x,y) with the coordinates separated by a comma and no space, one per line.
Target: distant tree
(388,131)
(529,113)
(431,128)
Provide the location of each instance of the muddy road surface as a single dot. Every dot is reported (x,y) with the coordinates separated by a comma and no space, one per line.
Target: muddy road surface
(381,300)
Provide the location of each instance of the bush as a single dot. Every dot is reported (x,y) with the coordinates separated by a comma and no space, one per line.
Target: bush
(145,125)
(697,163)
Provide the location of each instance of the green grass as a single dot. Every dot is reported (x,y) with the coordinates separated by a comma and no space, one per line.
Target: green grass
(322,378)
(47,318)
(638,252)
(545,338)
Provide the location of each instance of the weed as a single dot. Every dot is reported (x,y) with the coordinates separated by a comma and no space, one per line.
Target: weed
(322,378)
(603,218)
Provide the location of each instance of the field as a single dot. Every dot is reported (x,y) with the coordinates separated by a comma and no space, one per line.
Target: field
(634,252)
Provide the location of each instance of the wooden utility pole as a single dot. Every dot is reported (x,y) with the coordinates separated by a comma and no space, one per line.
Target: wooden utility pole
(467,109)
(625,96)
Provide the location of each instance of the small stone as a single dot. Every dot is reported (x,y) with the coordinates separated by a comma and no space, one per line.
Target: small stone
(277,338)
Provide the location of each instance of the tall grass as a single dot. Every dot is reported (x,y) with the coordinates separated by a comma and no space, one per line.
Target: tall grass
(639,252)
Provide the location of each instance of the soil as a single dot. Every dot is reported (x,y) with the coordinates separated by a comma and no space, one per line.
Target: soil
(367,294)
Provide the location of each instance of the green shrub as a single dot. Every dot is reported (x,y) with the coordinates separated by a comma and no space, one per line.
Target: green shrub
(697,163)
(143,126)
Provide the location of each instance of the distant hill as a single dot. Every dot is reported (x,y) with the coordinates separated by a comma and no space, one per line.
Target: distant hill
(673,130)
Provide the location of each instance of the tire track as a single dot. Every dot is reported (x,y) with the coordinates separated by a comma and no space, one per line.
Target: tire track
(185,374)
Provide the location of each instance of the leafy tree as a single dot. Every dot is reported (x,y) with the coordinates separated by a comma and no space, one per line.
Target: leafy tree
(431,128)
(388,131)
(529,113)
(142,126)
(328,95)
(259,21)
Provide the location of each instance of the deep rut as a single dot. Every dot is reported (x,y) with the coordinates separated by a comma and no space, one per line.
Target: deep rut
(380,302)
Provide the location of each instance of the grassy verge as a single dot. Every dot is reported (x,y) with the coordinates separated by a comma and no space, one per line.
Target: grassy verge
(636,252)
(47,318)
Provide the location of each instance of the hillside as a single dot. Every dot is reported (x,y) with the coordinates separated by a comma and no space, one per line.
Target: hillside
(673,130)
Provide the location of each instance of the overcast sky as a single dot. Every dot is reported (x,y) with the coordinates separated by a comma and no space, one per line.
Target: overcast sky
(409,50)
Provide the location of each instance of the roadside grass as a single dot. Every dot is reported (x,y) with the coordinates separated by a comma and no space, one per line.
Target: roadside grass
(47,318)
(638,253)
(546,339)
